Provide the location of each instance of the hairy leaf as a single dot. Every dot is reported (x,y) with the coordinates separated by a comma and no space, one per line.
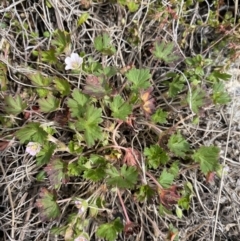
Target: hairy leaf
(14,105)
(120,109)
(49,104)
(32,132)
(156,156)
(139,78)
(76,105)
(125,178)
(166,179)
(89,124)
(159,116)
(109,231)
(45,154)
(208,157)
(47,205)
(164,51)
(56,171)
(178,145)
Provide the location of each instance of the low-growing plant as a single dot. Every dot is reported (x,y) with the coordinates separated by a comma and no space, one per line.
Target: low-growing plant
(95,114)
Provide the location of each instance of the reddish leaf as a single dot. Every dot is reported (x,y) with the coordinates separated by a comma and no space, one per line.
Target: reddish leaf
(62,116)
(148,102)
(47,205)
(131,157)
(3,145)
(210,177)
(56,171)
(169,197)
(94,86)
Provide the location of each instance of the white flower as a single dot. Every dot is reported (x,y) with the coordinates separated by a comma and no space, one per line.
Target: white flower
(80,238)
(73,62)
(33,148)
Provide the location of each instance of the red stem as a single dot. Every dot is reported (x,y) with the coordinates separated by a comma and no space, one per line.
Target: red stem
(123,206)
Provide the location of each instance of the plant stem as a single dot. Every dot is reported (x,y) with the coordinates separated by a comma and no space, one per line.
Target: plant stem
(123,207)
(154,180)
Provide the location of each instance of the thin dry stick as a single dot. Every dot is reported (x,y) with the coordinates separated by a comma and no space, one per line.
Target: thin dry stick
(222,175)
(11,202)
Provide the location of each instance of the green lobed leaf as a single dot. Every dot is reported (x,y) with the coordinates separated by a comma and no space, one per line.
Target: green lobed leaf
(102,44)
(47,205)
(216,76)
(120,109)
(49,104)
(62,85)
(156,156)
(175,87)
(164,51)
(62,40)
(77,103)
(45,154)
(49,56)
(14,105)
(125,178)
(178,145)
(89,124)
(96,174)
(166,179)
(220,96)
(109,231)
(174,169)
(208,157)
(32,132)
(145,192)
(159,116)
(196,99)
(139,78)
(38,79)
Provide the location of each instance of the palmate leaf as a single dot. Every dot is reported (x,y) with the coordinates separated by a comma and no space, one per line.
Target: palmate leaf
(45,154)
(139,78)
(159,116)
(102,44)
(94,86)
(32,132)
(220,96)
(14,105)
(38,79)
(125,178)
(156,156)
(49,104)
(62,40)
(89,124)
(77,103)
(196,99)
(56,171)
(164,51)
(47,205)
(62,86)
(208,157)
(109,231)
(120,109)
(178,145)
(166,179)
